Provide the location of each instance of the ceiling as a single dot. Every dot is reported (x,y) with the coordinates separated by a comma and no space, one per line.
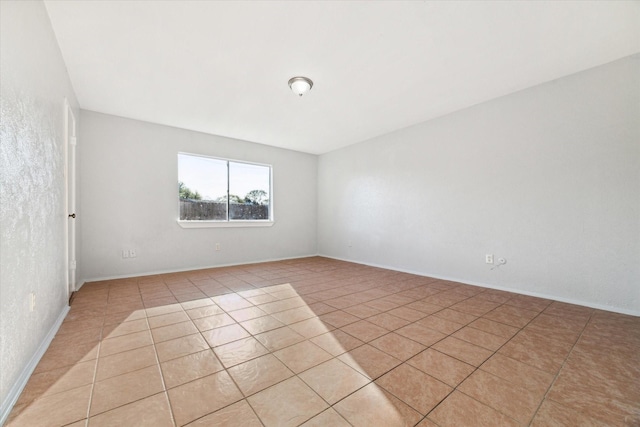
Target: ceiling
(222,67)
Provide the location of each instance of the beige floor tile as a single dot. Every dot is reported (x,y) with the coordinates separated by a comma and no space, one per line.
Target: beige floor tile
(584,361)
(231,302)
(289,403)
(407,313)
(279,338)
(417,389)
(381,304)
(215,321)
(302,356)
(239,351)
(460,410)
(397,346)
(124,328)
(112,346)
(179,347)
(439,324)
(177,330)
(60,355)
(336,342)
(518,373)
(426,423)
(54,410)
(554,414)
(339,318)
(364,331)
(278,306)
(511,315)
(333,380)
(421,334)
(372,406)
(480,338)
(246,314)
(76,333)
(508,398)
(576,391)
(327,418)
(320,308)
(495,328)
(445,368)
(198,398)
(197,303)
(58,380)
(388,321)
(204,311)
(456,316)
(261,324)
(362,311)
(547,355)
(151,411)
(311,327)
(294,315)
(126,388)
(123,317)
(191,296)
(462,350)
(238,414)
(191,367)
(225,334)
(261,299)
(424,307)
(369,361)
(126,361)
(260,373)
(168,319)
(162,306)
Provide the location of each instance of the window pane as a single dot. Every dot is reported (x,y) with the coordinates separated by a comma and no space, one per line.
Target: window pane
(249,191)
(202,188)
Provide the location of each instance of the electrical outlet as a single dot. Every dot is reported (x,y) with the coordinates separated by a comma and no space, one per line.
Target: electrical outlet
(125,253)
(132,253)
(488,258)
(217,246)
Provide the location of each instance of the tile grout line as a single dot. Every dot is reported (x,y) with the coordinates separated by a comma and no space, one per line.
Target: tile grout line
(555,378)
(479,366)
(155,352)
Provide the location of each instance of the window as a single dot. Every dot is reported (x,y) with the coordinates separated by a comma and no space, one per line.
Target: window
(222,191)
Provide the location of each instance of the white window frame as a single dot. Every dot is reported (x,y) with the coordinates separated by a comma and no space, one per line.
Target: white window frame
(228,223)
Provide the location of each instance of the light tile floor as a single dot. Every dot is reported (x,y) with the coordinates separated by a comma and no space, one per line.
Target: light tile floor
(319,342)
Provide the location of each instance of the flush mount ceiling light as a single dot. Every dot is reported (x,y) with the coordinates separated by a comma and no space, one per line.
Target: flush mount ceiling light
(300,85)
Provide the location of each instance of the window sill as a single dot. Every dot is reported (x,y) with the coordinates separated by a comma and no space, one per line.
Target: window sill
(223,224)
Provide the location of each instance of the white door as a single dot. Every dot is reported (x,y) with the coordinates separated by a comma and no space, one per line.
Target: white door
(70,173)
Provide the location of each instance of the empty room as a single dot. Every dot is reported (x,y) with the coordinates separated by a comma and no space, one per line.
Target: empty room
(319,213)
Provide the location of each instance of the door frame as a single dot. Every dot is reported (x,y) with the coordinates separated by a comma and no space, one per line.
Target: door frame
(70,197)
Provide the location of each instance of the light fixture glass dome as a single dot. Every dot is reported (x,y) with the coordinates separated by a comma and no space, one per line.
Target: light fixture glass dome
(300,85)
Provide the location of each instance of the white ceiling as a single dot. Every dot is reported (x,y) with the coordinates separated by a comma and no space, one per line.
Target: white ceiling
(222,67)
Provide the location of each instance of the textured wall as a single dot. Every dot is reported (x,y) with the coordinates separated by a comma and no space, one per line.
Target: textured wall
(129,200)
(548,178)
(32,184)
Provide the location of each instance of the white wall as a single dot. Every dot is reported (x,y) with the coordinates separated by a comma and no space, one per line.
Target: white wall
(33,213)
(128,189)
(548,178)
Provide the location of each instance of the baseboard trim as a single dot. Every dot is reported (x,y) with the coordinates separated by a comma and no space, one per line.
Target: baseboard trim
(499,288)
(18,386)
(195,268)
